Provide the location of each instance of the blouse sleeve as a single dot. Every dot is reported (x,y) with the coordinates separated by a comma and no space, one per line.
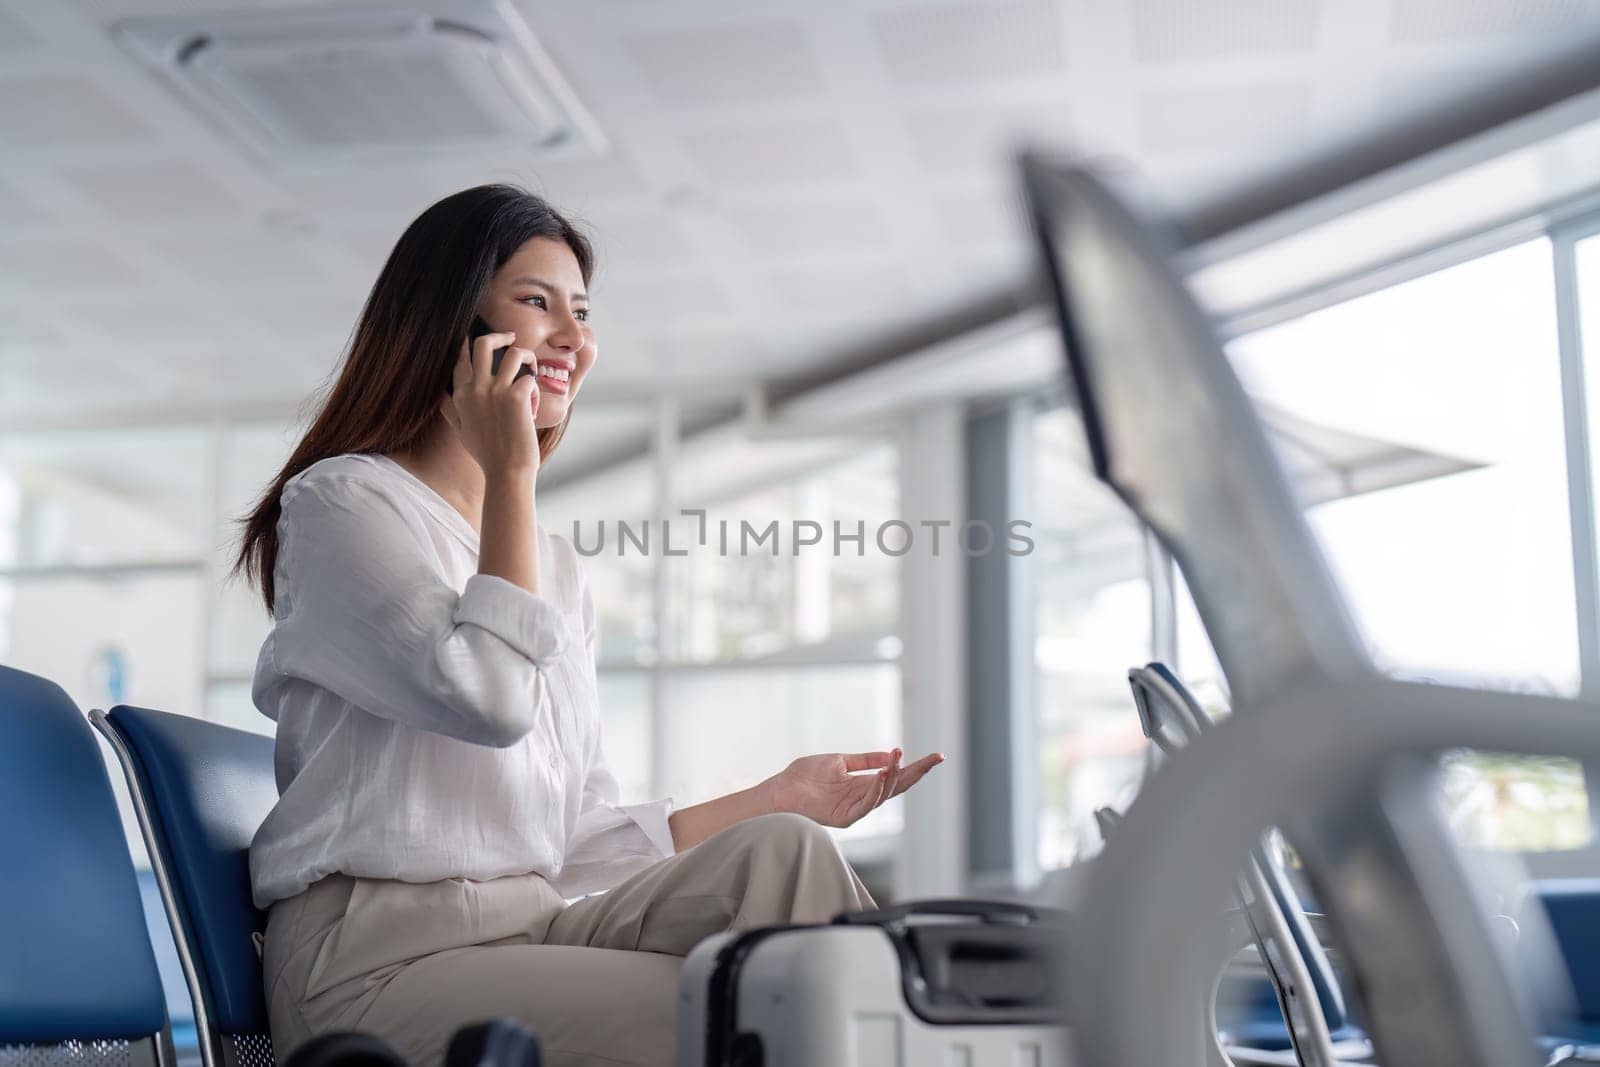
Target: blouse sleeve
(612,841)
(371,619)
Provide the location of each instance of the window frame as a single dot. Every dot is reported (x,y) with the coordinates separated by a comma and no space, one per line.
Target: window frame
(1564,232)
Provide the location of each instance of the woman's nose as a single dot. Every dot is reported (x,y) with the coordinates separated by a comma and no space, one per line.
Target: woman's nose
(568,333)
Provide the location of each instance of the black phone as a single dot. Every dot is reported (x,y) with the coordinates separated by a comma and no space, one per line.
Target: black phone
(479,328)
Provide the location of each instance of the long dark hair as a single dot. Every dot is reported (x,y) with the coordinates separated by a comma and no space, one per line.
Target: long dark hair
(407,340)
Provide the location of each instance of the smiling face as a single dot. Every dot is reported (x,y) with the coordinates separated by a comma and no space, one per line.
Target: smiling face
(539,295)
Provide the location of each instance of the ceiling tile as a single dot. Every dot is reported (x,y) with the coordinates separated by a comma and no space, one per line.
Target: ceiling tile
(807,227)
(1182,31)
(982,216)
(1219,117)
(20,212)
(152,320)
(106,11)
(714,64)
(613,176)
(648,302)
(291,309)
(15,36)
(725,356)
(24,333)
(976,42)
(66,264)
(155,191)
(868,286)
(51,109)
(239,258)
(394,194)
(639,239)
(967,138)
(788,153)
(1431,21)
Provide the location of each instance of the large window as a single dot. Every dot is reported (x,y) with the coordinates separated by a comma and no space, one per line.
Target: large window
(747,596)
(1434,411)
(1422,426)
(781,647)
(113,547)
(1093,604)
(102,563)
(771,648)
(1458,560)
(1452,537)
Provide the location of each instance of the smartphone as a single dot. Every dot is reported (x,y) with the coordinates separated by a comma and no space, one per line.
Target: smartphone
(479,328)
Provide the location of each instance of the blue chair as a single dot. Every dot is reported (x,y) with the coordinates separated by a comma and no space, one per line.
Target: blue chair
(1172,718)
(78,979)
(180,1010)
(1572,906)
(200,791)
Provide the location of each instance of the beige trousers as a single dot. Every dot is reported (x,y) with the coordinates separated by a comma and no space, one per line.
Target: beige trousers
(596,980)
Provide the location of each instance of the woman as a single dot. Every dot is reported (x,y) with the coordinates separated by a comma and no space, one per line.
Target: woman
(431,668)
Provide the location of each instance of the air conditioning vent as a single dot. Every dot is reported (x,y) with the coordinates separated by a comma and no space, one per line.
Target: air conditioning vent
(327,86)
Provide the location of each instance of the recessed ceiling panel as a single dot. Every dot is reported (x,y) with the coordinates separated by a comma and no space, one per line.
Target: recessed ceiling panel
(953,44)
(728,63)
(1429,21)
(1208,118)
(1186,31)
(49,110)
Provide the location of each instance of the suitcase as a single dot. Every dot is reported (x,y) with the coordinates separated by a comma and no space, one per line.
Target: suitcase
(964,983)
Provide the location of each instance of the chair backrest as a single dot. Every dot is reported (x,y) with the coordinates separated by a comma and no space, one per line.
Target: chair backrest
(75,959)
(204,790)
(1171,717)
(1573,908)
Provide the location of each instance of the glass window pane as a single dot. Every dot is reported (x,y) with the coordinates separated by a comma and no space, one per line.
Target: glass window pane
(1197,664)
(87,497)
(123,639)
(730,728)
(863,582)
(621,578)
(1515,803)
(1587,255)
(737,603)
(1093,624)
(1437,405)
(625,723)
(229,703)
(766,592)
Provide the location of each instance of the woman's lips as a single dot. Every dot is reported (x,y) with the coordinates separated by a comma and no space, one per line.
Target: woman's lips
(550,384)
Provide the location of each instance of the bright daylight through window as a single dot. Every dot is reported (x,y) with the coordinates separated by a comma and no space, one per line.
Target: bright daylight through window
(1422,426)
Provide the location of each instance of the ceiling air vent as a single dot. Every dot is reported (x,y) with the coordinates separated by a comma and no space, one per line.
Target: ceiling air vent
(331,85)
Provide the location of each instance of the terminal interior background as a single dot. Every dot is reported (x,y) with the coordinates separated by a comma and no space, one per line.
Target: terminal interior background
(815,301)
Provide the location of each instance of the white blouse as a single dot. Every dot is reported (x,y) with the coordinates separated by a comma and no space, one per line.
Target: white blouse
(433,722)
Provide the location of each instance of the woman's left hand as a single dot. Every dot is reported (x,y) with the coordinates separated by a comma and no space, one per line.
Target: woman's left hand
(823,789)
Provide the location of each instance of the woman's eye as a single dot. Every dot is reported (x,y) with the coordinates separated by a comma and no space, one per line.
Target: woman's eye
(539,301)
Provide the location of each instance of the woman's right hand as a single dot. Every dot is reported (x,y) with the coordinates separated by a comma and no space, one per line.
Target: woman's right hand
(494,413)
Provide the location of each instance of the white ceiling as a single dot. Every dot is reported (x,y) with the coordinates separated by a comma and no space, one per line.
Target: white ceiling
(785,183)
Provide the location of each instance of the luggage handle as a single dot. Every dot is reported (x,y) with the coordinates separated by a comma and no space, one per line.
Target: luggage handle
(990,911)
(996,970)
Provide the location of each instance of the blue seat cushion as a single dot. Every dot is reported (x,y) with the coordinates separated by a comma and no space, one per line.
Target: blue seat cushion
(75,961)
(1573,905)
(208,788)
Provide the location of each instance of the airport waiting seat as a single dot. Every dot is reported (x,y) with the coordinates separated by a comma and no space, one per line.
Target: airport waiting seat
(201,790)
(1573,907)
(180,1011)
(78,978)
(1171,717)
